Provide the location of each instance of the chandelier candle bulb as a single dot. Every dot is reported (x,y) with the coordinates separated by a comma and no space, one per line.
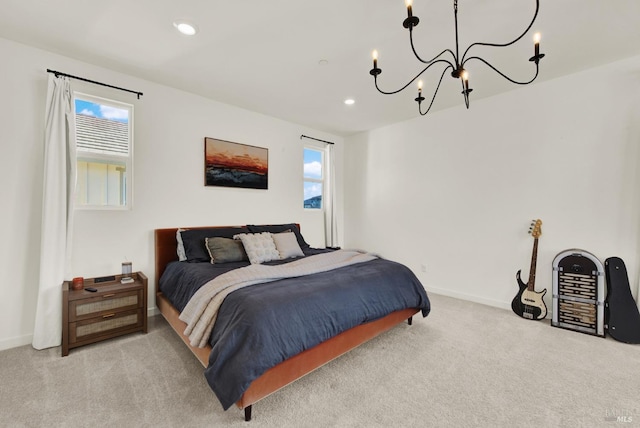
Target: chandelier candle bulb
(409,9)
(536,41)
(374,54)
(420,97)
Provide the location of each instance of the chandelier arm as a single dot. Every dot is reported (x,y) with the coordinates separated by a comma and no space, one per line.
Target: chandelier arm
(413,48)
(375,78)
(498,45)
(436,91)
(502,74)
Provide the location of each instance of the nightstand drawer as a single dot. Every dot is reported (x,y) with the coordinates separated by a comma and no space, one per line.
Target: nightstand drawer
(105,304)
(107,324)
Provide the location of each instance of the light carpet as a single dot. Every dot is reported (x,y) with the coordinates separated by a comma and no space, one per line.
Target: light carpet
(465,365)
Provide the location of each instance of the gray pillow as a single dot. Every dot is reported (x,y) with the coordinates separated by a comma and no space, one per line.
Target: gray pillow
(193,241)
(259,247)
(225,250)
(287,245)
(277,228)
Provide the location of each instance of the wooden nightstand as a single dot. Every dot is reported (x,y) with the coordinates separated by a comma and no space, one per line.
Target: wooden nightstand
(115,309)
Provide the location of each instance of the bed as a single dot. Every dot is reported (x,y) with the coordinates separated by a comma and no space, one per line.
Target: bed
(273,376)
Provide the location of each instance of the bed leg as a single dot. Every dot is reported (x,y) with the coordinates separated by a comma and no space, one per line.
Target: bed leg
(410,320)
(247,413)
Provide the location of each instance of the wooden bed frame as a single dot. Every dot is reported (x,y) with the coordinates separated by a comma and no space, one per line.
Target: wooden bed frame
(287,371)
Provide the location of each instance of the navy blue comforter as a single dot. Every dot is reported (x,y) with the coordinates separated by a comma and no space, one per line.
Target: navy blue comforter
(262,325)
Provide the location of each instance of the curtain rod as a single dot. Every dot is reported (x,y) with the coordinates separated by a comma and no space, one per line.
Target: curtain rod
(58,73)
(317,139)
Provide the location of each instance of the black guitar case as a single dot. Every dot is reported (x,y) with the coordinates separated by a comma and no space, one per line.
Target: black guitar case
(621,312)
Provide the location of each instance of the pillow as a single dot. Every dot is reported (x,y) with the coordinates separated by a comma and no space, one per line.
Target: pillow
(193,241)
(277,228)
(180,248)
(225,250)
(259,247)
(287,245)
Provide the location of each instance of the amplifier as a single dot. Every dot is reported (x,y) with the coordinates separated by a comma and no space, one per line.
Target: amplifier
(578,292)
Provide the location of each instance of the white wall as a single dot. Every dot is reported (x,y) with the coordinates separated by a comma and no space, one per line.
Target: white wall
(170,126)
(455,190)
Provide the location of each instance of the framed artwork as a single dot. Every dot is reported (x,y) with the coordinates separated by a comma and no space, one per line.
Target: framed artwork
(230,164)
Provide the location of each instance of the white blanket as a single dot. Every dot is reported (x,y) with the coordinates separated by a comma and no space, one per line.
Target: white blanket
(201,311)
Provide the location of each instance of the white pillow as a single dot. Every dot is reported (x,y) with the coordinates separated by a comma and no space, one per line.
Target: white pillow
(182,256)
(259,247)
(287,245)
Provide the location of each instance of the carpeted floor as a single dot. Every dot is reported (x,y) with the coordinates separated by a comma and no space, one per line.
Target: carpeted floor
(466,365)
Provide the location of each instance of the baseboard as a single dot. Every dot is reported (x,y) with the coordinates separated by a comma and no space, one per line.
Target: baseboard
(478,299)
(470,297)
(14,342)
(152,312)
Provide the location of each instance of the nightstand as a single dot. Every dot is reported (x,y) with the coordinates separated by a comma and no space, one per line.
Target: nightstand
(113,310)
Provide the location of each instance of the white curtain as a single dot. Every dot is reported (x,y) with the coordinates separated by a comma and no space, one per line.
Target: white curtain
(57,211)
(330,227)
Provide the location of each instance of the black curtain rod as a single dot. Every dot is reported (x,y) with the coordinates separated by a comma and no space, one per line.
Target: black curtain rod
(317,139)
(58,74)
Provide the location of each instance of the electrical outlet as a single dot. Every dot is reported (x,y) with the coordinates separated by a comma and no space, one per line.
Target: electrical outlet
(423,267)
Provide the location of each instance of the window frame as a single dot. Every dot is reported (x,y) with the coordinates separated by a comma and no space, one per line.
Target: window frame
(322,180)
(105,158)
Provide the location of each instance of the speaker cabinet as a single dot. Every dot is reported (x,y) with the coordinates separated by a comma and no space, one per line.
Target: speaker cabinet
(578,292)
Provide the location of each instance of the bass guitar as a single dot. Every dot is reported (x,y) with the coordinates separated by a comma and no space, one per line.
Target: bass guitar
(528,303)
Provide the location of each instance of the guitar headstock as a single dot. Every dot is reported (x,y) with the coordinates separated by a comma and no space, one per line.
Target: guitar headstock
(535,229)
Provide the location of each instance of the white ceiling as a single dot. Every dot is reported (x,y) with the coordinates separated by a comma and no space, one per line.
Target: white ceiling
(264,55)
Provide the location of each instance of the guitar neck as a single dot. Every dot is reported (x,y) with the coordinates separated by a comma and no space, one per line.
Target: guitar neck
(532,269)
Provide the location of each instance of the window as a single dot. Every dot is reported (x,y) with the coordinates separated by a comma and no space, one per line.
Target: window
(313,178)
(104,143)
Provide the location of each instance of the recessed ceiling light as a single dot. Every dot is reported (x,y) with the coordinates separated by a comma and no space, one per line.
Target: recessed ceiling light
(349,101)
(186,28)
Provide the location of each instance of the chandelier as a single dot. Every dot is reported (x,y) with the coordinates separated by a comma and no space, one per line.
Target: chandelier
(453,61)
